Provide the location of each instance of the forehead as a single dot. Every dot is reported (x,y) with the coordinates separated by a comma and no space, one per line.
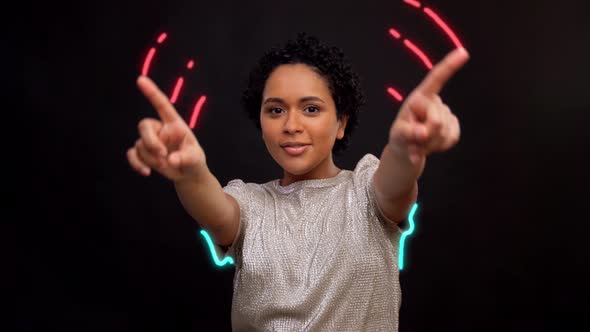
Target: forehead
(295,80)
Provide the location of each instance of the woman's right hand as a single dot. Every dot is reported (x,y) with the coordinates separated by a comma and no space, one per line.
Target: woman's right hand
(168,144)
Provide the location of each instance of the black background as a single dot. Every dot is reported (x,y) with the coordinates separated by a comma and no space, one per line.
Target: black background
(499,243)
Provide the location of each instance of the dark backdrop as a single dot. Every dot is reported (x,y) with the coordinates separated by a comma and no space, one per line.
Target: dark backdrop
(499,244)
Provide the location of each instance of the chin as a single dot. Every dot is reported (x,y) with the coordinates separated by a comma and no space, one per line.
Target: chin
(295,167)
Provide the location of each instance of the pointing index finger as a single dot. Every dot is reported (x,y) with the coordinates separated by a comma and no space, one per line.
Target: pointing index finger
(158,99)
(443,71)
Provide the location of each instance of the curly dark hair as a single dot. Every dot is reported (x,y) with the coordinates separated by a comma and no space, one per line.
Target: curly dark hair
(329,62)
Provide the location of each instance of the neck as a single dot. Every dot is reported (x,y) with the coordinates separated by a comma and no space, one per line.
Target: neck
(326,169)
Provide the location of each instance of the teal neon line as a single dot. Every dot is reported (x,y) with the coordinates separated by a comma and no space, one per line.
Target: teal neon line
(226,260)
(405,234)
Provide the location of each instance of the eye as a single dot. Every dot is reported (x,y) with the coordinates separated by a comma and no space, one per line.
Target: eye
(312,109)
(275,110)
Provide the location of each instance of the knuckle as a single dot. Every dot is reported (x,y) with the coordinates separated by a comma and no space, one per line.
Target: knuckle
(145,126)
(436,123)
(142,125)
(447,109)
(130,154)
(143,158)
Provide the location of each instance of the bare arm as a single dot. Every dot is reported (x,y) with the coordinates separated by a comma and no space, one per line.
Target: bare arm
(423,125)
(169,146)
(396,184)
(217,212)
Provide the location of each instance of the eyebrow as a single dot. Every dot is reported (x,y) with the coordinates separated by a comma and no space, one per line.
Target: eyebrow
(302,100)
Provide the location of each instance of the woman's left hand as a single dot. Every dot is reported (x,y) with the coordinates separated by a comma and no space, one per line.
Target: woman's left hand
(425,124)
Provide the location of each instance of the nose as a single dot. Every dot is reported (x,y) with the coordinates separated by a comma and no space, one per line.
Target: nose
(292,123)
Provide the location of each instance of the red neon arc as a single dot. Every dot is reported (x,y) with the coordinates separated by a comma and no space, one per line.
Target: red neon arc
(394,33)
(438,21)
(150,56)
(448,31)
(197,111)
(162,37)
(413,3)
(179,82)
(393,92)
(148,60)
(419,53)
(176,91)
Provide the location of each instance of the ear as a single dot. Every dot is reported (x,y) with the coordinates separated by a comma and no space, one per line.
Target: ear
(342,126)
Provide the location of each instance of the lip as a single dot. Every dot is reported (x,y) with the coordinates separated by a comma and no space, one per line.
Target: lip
(295,149)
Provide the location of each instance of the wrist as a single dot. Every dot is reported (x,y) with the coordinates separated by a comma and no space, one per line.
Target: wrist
(413,161)
(195,175)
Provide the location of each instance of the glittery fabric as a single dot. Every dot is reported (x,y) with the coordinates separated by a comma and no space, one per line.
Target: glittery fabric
(316,255)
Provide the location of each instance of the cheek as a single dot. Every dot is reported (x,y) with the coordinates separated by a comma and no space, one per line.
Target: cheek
(264,129)
(326,133)
(268,134)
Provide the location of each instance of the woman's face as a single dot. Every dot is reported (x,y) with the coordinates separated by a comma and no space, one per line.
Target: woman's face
(299,122)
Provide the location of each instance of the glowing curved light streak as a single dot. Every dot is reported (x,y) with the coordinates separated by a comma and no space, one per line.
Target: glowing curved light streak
(394,33)
(397,35)
(418,53)
(190,64)
(196,111)
(448,31)
(438,21)
(148,61)
(395,94)
(150,56)
(162,37)
(405,234)
(225,261)
(176,90)
(413,3)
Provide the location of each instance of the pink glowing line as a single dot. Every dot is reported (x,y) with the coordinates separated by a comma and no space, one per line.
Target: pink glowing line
(395,94)
(419,53)
(443,26)
(413,3)
(196,111)
(394,33)
(176,91)
(162,37)
(148,61)
(190,64)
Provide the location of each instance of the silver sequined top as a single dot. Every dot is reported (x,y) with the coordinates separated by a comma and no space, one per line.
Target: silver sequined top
(316,255)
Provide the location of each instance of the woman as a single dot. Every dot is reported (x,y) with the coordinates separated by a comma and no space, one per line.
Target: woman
(316,249)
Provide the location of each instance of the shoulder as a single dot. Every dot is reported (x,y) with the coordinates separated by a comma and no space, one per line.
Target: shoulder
(366,166)
(244,191)
(240,184)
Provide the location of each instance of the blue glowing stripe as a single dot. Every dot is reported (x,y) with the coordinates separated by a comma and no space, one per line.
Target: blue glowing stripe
(405,234)
(226,260)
